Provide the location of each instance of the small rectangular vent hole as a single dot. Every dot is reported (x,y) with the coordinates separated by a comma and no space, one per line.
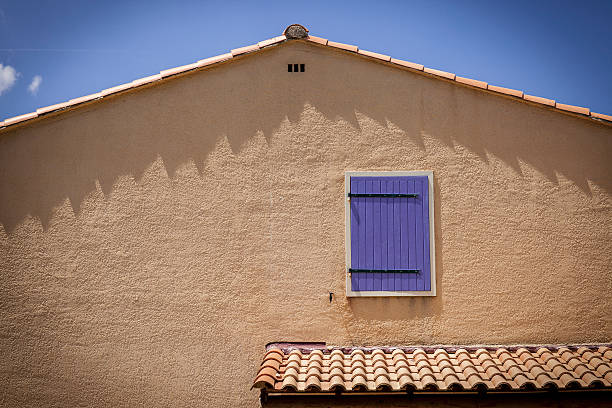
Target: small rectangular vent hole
(296,67)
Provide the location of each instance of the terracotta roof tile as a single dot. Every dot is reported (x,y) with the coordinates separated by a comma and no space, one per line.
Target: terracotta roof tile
(178,70)
(375,55)
(318,40)
(412,65)
(244,50)
(146,80)
(215,59)
(347,47)
(443,74)
(506,91)
(572,108)
(116,89)
(538,99)
(20,118)
(271,41)
(601,116)
(472,82)
(52,108)
(453,369)
(86,98)
(300,33)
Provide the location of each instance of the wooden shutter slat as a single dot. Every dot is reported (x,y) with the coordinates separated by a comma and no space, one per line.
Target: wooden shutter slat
(355,230)
(405,227)
(377,244)
(384,236)
(418,244)
(397,278)
(369,264)
(415,241)
(363,237)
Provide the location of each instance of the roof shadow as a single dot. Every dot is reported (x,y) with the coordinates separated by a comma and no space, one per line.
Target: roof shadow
(182,120)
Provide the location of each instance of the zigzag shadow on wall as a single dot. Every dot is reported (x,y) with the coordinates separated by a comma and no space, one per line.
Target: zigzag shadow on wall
(182,120)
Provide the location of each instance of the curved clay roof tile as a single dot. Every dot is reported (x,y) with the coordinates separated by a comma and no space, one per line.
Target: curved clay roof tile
(547,368)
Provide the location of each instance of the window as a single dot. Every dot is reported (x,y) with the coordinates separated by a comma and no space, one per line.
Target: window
(389,233)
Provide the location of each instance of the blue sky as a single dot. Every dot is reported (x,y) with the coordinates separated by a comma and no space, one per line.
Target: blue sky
(555,49)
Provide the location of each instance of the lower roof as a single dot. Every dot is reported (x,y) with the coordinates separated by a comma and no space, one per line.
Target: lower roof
(314,368)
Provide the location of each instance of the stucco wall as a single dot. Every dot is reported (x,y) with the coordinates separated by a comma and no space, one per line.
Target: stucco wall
(151,245)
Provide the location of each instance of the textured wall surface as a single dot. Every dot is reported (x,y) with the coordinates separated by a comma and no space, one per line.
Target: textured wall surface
(152,244)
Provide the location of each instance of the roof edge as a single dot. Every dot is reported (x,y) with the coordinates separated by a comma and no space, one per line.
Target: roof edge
(533,347)
(301,33)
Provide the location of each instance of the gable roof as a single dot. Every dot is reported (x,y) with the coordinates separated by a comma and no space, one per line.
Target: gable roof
(315,368)
(300,33)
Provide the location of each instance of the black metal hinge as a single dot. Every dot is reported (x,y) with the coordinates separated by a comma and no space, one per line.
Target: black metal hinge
(351,270)
(381,195)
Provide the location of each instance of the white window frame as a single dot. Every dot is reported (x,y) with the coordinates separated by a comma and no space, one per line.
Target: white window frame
(347,238)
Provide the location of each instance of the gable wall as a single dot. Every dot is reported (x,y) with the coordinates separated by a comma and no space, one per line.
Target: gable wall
(152,244)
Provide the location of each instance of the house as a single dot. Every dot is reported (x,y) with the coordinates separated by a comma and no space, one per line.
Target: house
(303,223)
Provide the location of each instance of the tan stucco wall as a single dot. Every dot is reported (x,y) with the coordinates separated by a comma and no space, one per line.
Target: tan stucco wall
(151,245)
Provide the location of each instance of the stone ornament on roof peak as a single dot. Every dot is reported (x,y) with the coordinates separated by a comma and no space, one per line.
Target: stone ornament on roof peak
(296,31)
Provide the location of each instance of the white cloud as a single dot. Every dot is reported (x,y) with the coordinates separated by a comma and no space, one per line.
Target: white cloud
(35,84)
(8,76)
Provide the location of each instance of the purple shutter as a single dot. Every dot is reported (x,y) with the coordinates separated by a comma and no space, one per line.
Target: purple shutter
(390,233)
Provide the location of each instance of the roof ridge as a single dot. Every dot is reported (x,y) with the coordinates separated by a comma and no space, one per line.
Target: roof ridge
(300,33)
